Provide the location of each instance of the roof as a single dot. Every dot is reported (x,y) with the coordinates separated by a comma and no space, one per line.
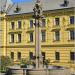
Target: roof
(46,4)
(4,4)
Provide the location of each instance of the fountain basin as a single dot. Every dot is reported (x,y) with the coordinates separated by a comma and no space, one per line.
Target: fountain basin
(48,71)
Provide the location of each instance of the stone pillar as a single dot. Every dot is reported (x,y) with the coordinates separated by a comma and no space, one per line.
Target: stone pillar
(39,61)
(38,16)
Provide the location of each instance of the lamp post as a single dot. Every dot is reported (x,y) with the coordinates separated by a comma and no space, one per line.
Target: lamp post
(38,16)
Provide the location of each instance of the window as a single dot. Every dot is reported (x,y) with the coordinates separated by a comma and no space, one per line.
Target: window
(31,23)
(12,25)
(71,19)
(43,33)
(19,24)
(43,22)
(19,37)
(12,38)
(12,55)
(57,55)
(72,56)
(31,55)
(57,21)
(31,36)
(57,36)
(43,54)
(72,35)
(19,55)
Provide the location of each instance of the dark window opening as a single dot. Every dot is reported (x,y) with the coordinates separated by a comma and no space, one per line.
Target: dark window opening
(31,37)
(19,24)
(57,21)
(43,22)
(12,25)
(12,38)
(19,37)
(31,55)
(43,36)
(12,55)
(57,36)
(43,54)
(31,23)
(72,35)
(57,55)
(72,56)
(71,19)
(19,55)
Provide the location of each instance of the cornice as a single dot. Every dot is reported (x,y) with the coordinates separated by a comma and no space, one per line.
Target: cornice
(31,46)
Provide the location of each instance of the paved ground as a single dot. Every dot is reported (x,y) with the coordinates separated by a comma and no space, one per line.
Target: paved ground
(2,73)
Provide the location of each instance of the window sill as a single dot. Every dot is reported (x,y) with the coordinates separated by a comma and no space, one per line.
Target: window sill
(18,28)
(30,42)
(43,26)
(43,41)
(56,25)
(11,29)
(18,42)
(56,61)
(72,61)
(56,40)
(71,40)
(30,27)
(12,59)
(11,42)
(70,24)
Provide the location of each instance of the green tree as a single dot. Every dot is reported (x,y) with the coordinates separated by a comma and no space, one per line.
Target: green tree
(5,61)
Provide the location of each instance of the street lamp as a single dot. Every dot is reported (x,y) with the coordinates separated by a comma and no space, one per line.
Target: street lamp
(38,17)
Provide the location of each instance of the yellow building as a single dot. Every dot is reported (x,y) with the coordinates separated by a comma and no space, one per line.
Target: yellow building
(57,32)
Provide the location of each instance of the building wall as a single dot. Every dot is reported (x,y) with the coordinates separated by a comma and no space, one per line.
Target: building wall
(2,33)
(50,46)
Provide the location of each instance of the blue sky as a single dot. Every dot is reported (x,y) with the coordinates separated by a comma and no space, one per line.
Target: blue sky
(17,1)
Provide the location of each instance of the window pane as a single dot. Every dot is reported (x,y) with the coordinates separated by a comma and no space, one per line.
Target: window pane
(72,55)
(12,25)
(57,55)
(19,37)
(31,37)
(19,24)
(71,19)
(12,55)
(19,55)
(31,23)
(57,21)
(43,36)
(43,54)
(31,55)
(12,38)
(57,36)
(43,22)
(72,37)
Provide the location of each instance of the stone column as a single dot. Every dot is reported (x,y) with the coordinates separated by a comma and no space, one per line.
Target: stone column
(38,16)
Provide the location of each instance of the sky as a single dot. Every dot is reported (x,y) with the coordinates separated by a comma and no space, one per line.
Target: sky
(17,1)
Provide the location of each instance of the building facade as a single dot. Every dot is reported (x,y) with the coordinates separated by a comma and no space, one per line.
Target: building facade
(57,33)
